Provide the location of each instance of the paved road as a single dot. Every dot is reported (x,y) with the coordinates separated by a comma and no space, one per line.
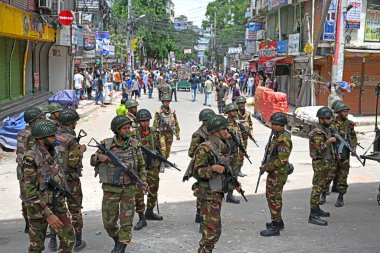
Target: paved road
(352,228)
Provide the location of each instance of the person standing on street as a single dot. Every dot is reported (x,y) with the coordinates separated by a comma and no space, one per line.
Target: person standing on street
(148,137)
(251,88)
(208,90)
(121,109)
(45,207)
(135,87)
(221,96)
(131,106)
(165,120)
(117,79)
(193,84)
(321,145)
(210,175)
(235,91)
(89,83)
(174,83)
(150,85)
(278,168)
(100,91)
(78,84)
(70,159)
(119,193)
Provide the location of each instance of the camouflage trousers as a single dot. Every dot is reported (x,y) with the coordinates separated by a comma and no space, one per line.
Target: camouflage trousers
(153,180)
(38,225)
(212,228)
(119,203)
(74,209)
(274,187)
(321,169)
(340,169)
(166,141)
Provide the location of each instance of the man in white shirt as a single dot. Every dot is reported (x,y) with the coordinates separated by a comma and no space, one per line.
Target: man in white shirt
(78,84)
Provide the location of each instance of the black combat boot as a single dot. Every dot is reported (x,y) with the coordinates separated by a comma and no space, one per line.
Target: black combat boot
(281,224)
(231,199)
(314,218)
(150,215)
(79,243)
(117,244)
(201,227)
(334,187)
(339,202)
(53,247)
(322,200)
(272,230)
(322,213)
(198,216)
(121,248)
(141,223)
(26,229)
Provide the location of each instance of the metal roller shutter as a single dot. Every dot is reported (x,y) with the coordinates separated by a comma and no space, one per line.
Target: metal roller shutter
(16,69)
(36,64)
(29,70)
(4,69)
(44,66)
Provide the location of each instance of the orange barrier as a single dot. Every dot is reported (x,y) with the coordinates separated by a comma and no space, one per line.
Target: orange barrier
(268,102)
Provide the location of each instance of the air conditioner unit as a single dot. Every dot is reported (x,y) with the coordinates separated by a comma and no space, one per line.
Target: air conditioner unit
(45,4)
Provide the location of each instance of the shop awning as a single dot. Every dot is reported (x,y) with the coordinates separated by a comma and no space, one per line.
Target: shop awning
(306,59)
(282,60)
(356,52)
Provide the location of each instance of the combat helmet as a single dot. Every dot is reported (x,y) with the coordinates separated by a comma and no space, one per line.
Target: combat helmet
(335,103)
(231,107)
(32,114)
(279,118)
(131,103)
(240,99)
(68,116)
(216,123)
(341,107)
(325,112)
(44,128)
(123,100)
(54,107)
(143,114)
(119,121)
(205,114)
(165,97)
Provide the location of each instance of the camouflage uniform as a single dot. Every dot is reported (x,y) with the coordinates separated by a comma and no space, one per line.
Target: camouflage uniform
(165,89)
(245,117)
(119,197)
(167,124)
(323,157)
(70,158)
(210,200)
(237,155)
(341,166)
(134,121)
(277,167)
(37,163)
(151,141)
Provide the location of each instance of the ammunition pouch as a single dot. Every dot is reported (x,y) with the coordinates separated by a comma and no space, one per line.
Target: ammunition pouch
(216,183)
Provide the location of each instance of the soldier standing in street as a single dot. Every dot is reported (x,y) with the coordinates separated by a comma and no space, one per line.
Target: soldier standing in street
(119,193)
(131,105)
(25,142)
(236,162)
(165,120)
(54,110)
(38,165)
(245,118)
(148,137)
(198,137)
(70,154)
(278,168)
(321,145)
(341,167)
(210,175)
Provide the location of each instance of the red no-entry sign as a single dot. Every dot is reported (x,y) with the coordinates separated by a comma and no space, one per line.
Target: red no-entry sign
(66,17)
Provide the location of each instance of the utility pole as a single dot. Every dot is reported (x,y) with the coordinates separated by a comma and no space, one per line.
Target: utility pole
(215,50)
(311,62)
(129,31)
(337,67)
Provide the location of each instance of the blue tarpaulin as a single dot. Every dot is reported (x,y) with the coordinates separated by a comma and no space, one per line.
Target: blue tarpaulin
(66,98)
(9,130)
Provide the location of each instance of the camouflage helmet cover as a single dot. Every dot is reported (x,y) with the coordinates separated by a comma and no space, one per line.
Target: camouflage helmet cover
(325,112)
(119,121)
(231,107)
(143,114)
(32,114)
(54,107)
(68,116)
(216,123)
(44,128)
(205,114)
(131,103)
(279,118)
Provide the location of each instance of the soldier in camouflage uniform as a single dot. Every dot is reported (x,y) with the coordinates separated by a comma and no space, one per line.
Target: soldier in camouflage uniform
(210,175)
(119,193)
(245,118)
(25,142)
(131,105)
(236,162)
(165,120)
(341,167)
(54,109)
(321,145)
(70,158)
(39,163)
(148,137)
(278,168)
(198,137)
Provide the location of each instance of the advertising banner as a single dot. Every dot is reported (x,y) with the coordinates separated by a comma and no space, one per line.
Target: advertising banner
(282,46)
(102,43)
(267,51)
(353,16)
(294,44)
(372,26)
(329,28)
(89,44)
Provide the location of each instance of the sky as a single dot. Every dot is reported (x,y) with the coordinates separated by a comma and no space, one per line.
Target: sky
(194,9)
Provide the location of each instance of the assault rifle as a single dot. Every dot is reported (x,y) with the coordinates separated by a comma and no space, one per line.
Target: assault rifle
(244,130)
(239,144)
(267,154)
(81,134)
(169,126)
(343,143)
(58,190)
(120,165)
(156,155)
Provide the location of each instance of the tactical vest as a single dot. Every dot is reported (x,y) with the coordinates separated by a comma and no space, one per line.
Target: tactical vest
(327,153)
(108,173)
(234,128)
(166,122)
(274,144)
(149,142)
(25,141)
(66,140)
(202,133)
(344,130)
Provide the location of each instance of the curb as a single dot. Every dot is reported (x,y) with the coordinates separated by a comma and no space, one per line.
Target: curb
(86,113)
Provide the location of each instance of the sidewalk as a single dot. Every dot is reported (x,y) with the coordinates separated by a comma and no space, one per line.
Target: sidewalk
(87,107)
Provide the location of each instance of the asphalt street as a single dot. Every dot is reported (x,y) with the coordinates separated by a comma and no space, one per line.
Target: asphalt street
(352,228)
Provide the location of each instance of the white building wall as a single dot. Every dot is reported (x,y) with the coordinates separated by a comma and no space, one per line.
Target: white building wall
(59,69)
